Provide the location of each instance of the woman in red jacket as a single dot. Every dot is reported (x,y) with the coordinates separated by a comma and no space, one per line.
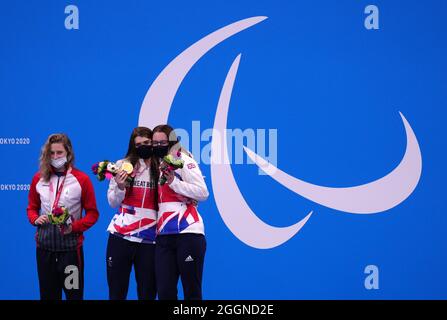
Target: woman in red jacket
(58,186)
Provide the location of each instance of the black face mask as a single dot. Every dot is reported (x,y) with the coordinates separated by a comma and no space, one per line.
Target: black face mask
(161,151)
(144,151)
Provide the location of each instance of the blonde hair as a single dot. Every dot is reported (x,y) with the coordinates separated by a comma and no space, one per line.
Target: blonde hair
(45,155)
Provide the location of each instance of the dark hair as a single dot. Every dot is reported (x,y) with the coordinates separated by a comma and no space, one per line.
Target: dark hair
(133,157)
(173,140)
(131,154)
(170,133)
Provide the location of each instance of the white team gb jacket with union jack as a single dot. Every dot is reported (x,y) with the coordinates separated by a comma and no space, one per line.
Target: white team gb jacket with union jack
(176,212)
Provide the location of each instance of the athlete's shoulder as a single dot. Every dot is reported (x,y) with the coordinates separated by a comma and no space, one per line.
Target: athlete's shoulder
(36,178)
(187,156)
(80,175)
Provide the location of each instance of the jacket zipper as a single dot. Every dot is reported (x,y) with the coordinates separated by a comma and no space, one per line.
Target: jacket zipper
(142,203)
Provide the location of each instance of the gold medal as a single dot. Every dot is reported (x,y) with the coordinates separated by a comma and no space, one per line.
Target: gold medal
(127,166)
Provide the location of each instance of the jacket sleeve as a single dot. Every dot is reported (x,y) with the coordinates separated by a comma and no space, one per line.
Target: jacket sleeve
(114,194)
(33,201)
(88,203)
(192,184)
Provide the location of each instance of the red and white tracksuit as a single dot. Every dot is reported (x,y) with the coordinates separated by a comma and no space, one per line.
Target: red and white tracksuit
(77,195)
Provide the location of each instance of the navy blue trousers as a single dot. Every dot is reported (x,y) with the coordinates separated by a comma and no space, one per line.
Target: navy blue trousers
(180,255)
(122,254)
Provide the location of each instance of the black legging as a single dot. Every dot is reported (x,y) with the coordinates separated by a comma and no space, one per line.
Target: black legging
(121,255)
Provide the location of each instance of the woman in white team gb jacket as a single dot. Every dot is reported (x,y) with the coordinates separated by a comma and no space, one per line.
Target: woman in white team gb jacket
(132,229)
(181,244)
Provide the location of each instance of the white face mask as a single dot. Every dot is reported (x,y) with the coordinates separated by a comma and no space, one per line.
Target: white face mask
(59,163)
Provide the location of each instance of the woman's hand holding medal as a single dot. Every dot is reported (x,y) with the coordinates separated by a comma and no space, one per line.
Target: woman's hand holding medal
(121,178)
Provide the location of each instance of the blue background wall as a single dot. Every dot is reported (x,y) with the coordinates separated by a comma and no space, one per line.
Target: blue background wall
(311,70)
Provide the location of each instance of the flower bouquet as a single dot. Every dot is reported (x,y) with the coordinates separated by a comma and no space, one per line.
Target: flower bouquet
(170,164)
(60,217)
(107,169)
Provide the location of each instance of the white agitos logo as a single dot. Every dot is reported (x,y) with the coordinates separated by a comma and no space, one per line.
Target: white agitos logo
(373,197)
